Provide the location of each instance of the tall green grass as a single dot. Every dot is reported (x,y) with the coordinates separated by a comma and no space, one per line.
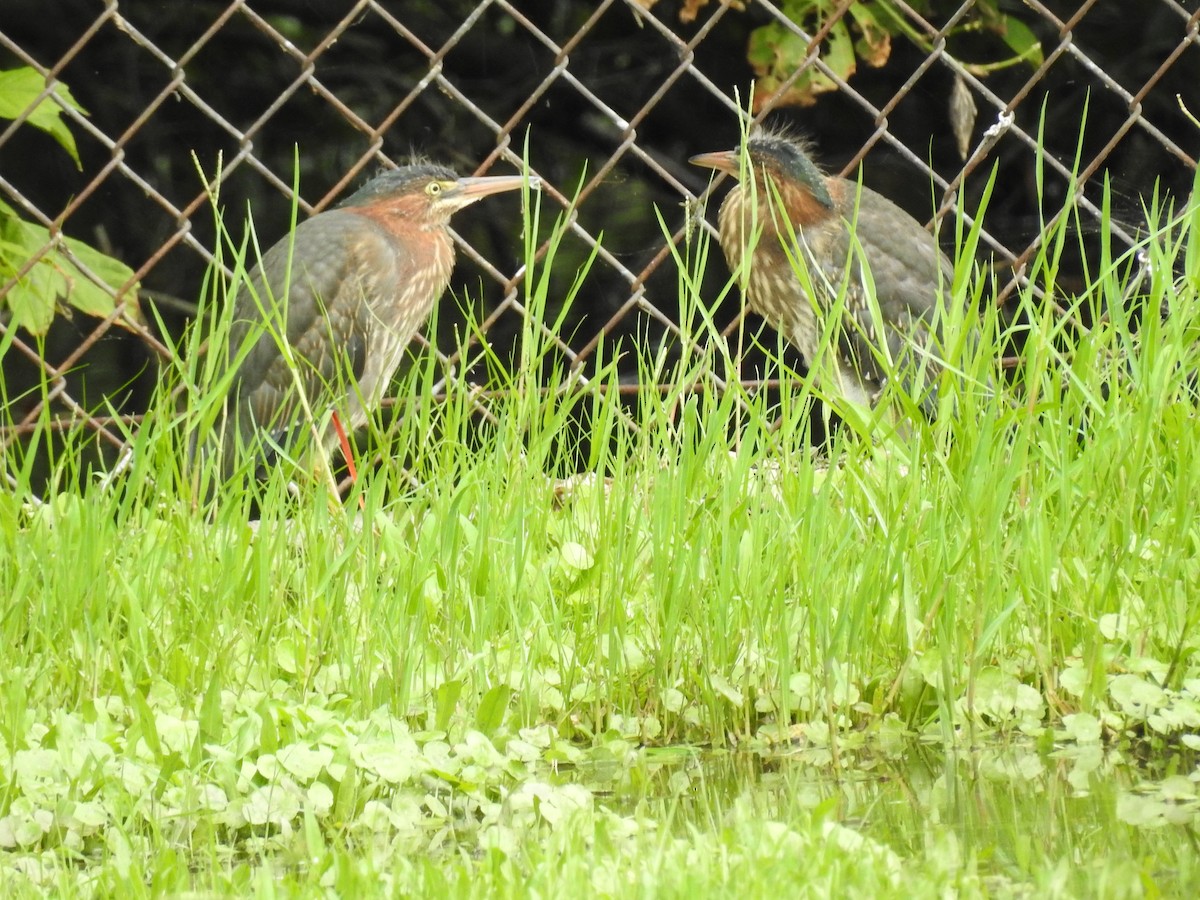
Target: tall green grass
(476,614)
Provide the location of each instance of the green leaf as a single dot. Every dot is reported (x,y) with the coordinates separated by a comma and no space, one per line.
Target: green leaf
(1192,252)
(304,763)
(347,793)
(875,45)
(147,725)
(1022,41)
(446,698)
(726,689)
(314,843)
(775,52)
(19,89)
(393,762)
(493,708)
(211,720)
(839,55)
(168,766)
(54,277)
(31,299)
(268,736)
(576,556)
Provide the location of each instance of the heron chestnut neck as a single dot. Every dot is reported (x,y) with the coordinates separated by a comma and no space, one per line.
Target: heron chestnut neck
(781,169)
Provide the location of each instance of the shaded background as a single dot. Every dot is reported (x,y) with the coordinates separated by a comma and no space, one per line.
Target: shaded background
(610,95)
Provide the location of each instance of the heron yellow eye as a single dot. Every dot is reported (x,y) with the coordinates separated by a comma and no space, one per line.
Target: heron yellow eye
(434,188)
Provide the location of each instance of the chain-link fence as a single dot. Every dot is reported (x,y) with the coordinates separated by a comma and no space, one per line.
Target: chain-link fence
(606,100)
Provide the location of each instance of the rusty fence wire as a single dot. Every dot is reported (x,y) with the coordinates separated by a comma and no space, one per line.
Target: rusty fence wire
(1136,94)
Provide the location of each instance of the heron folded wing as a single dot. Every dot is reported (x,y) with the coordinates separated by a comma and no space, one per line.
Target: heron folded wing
(317,309)
(904,262)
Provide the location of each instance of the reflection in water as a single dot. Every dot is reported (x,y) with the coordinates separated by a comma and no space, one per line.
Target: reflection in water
(1079,816)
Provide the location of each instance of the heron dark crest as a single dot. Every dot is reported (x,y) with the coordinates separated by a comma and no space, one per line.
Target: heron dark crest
(794,215)
(331,308)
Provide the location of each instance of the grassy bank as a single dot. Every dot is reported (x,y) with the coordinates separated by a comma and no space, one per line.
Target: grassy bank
(485,672)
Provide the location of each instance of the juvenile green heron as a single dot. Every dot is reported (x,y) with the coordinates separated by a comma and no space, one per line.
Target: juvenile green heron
(348,290)
(795,215)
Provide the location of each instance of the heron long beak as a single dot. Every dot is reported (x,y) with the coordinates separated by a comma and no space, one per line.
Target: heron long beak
(468,190)
(721,160)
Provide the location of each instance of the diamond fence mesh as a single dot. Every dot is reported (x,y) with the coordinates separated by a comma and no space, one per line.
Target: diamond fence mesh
(607,100)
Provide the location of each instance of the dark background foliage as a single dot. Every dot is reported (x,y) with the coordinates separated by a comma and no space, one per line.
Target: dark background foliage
(373,68)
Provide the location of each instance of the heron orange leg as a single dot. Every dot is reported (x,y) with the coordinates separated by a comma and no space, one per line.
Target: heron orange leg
(344,442)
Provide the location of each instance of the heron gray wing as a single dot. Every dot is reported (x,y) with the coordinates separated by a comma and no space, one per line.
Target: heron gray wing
(904,262)
(321,310)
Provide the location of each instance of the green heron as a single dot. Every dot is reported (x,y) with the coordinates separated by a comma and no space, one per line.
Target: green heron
(348,291)
(831,227)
